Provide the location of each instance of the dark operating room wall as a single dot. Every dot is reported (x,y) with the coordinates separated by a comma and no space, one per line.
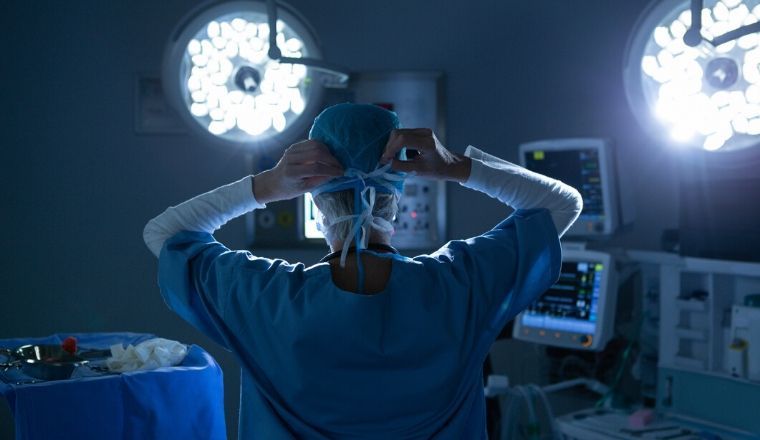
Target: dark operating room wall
(78,184)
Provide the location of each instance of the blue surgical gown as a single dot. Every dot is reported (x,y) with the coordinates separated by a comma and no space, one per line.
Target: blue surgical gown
(320,362)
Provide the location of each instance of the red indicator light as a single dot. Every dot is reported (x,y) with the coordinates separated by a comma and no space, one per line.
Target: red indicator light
(414,214)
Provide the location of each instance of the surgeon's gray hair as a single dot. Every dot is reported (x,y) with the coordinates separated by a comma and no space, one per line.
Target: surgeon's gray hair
(340,203)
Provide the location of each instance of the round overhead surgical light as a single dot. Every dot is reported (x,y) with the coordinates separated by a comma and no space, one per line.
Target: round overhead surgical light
(219,76)
(693,70)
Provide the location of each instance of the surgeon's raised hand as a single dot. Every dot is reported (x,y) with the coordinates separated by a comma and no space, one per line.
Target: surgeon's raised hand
(431,158)
(304,166)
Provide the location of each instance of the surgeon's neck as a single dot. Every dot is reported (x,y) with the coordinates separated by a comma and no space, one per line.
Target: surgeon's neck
(374,238)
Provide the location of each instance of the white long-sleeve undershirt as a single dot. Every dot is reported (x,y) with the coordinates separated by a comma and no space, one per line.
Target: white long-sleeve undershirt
(204,213)
(520,188)
(507,182)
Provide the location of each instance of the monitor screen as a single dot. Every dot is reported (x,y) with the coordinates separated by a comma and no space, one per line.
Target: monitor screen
(578,311)
(310,211)
(586,165)
(578,168)
(572,303)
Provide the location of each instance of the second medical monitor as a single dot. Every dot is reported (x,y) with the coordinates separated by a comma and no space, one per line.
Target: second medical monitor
(587,165)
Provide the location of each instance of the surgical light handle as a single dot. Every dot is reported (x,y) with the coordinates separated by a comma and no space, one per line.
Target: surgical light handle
(276,54)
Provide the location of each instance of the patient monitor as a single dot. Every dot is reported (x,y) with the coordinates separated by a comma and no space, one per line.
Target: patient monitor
(586,164)
(578,310)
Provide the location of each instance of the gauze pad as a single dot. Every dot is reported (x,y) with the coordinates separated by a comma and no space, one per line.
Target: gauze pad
(148,355)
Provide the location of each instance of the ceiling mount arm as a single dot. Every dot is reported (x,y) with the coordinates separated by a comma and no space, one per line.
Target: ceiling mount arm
(340,74)
(736,33)
(274,50)
(693,36)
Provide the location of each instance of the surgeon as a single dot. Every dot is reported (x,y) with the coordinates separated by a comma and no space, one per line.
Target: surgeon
(367,343)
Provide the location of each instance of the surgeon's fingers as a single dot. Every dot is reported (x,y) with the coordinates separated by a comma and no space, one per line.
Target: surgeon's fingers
(415,138)
(299,147)
(313,182)
(314,169)
(314,152)
(306,146)
(316,158)
(410,138)
(408,166)
(320,156)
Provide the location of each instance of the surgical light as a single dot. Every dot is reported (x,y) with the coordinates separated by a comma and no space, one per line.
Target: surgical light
(693,71)
(223,76)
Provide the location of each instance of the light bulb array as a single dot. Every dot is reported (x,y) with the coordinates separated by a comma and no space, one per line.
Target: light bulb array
(704,94)
(233,87)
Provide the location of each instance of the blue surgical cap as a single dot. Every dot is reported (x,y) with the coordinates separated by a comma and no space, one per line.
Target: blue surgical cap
(356,135)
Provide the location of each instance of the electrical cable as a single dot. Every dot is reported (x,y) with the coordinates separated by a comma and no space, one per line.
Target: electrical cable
(533,428)
(553,428)
(506,429)
(623,363)
(510,415)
